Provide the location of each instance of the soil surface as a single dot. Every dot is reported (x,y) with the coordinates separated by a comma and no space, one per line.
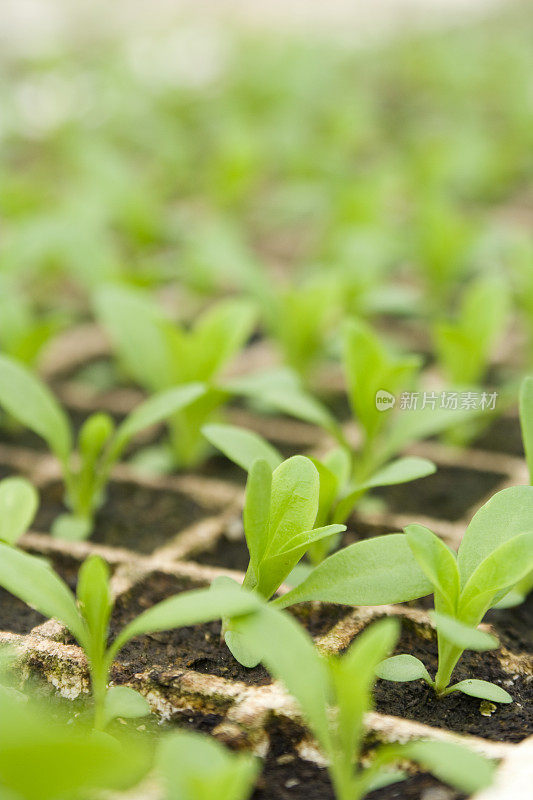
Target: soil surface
(136,517)
(514,626)
(16,616)
(457,712)
(503,436)
(447,494)
(196,647)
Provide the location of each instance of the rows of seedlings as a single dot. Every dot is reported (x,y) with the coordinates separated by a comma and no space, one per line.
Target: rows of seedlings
(266,420)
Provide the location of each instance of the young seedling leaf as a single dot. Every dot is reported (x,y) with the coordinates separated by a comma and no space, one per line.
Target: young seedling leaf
(504,567)
(372,572)
(94,597)
(437,562)
(294,502)
(121,701)
(256,513)
(507,514)
(33,581)
(71,528)
(463,636)
(18,504)
(31,402)
(242,446)
(191,608)
(526,421)
(196,767)
(156,409)
(453,764)
(483,689)
(403,668)
(403,470)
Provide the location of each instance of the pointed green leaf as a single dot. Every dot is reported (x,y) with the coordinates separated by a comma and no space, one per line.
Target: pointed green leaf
(256,513)
(94,597)
(403,470)
(294,504)
(27,399)
(372,572)
(504,567)
(483,689)
(189,608)
(242,446)
(121,701)
(437,562)
(507,514)
(32,580)
(463,636)
(403,668)
(18,504)
(452,763)
(526,421)
(157,408)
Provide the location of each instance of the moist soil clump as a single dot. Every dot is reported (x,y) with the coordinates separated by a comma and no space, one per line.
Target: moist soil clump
(457,712)
(138,518)
(16,616)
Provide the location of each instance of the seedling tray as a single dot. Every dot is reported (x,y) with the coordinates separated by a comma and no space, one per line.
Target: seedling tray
(167,535)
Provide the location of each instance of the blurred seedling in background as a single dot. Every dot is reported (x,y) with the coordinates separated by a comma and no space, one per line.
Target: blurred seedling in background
(280,510)
(159,354)
(496,552)
(195,767)
(87,618)
(87,468)
(335,693)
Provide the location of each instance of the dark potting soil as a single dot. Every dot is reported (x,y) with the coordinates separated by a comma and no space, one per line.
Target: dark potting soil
(457,712)
(447,494)
(16,616)
(503,436)
(290,778)
(196,647)
(286,776)
(136,517)
(514,626)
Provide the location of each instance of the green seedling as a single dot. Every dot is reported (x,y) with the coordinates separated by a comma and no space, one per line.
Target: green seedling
(100,444)
(19,501)
(519,592)
(195,767)
(46,754)
(335,693)
(280,510)
(495,554)
(301,319)
(159,354)
(23,332)
(464,347)
(87,618)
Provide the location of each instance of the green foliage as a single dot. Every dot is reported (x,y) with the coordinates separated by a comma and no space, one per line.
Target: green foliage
(464,347)
(87,618)
(193,767)
(335,693)
(159,354)
(19,501)
(45,756)
(24,332)
(495,554)
(100,445)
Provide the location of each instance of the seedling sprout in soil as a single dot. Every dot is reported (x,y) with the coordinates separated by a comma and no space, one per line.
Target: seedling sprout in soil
(496,552)
(18,505)
(100,444)
(280,510)
(87,618)
(335,693)
(159,354)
